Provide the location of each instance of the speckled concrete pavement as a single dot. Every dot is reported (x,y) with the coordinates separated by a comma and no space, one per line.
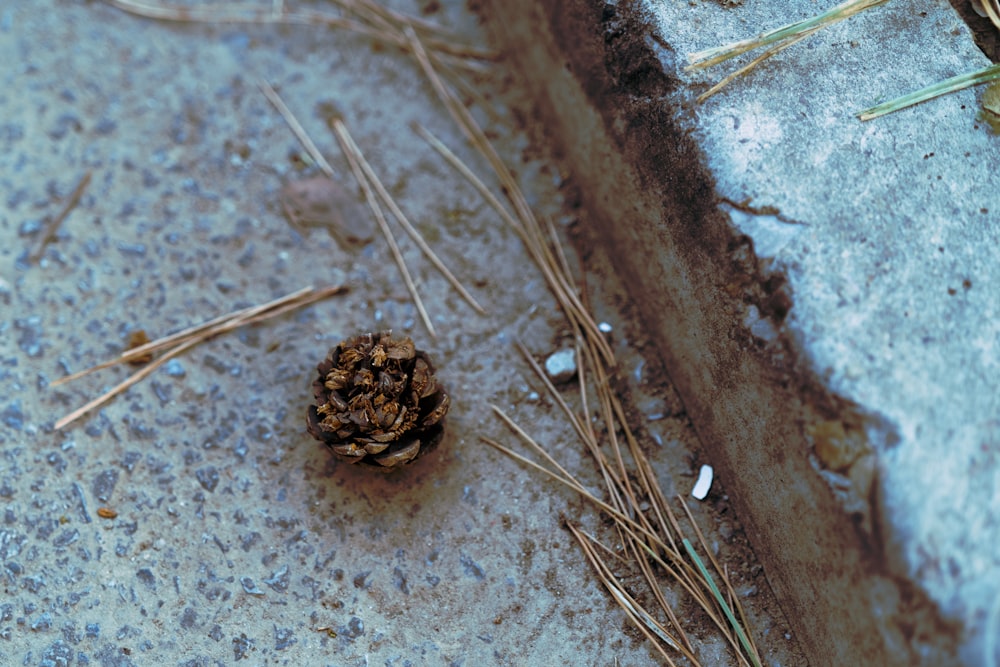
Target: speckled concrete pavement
(192,521)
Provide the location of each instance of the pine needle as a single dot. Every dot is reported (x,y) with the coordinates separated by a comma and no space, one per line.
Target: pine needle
(372,21)
(648,545)
(179,343)
(369,184)
(53,227)
(296,127)
(411,230)
(639,616)
(346,143)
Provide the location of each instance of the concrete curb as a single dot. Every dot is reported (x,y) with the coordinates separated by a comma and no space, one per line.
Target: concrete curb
(824,292)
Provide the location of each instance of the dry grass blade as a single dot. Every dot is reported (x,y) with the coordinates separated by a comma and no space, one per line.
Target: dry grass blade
(53,227)
(992,8)
(183,341)
(989,9)
(718,54)
(774,50)
(778,40)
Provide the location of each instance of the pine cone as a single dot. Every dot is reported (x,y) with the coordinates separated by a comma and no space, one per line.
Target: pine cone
(377,401)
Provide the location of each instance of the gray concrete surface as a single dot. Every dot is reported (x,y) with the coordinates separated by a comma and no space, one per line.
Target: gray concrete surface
(237,538)
(825,292)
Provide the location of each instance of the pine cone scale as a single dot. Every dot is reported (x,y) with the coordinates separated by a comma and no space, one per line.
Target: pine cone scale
(378,402)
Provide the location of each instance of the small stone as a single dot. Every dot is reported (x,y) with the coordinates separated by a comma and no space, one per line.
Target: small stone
(561,366)
(174,368)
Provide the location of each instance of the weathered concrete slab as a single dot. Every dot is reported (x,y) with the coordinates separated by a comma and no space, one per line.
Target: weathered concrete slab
(238,540)
(825,292)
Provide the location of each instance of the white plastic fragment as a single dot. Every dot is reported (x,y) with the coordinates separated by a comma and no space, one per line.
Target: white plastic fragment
(704,483)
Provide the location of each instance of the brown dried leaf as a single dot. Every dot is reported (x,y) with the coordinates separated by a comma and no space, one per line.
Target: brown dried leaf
(323,202)
(138,338)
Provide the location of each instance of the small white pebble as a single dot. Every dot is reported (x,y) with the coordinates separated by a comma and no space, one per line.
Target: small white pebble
(561,366)
(604,327)
(704,483)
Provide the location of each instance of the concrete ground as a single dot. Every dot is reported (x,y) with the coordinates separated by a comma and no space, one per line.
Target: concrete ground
(193,521)
(823,291)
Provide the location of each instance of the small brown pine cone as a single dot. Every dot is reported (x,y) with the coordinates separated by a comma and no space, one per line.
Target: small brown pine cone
(378,403)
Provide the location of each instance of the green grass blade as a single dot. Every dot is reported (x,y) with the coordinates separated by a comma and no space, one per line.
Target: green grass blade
(751,654)
(991,73)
